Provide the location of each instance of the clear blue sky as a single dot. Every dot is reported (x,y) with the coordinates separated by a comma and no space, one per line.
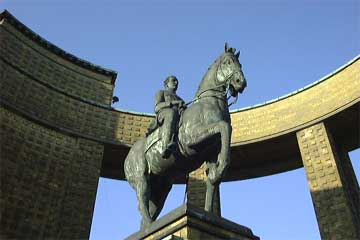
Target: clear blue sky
(284,46)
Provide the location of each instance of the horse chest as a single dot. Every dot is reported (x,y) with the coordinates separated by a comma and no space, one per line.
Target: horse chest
(216,111)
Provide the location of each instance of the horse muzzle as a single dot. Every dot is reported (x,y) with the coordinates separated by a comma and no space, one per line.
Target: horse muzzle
(243,86)
(238,87)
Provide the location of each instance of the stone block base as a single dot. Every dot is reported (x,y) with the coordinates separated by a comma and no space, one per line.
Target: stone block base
(190,222)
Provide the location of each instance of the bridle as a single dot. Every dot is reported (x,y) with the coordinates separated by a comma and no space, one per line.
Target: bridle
(219,95)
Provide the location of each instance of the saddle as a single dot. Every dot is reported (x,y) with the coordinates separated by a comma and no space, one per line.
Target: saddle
(153,137)
(153,134)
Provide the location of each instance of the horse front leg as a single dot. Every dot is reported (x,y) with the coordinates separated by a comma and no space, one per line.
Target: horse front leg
(210,193)
(215,169)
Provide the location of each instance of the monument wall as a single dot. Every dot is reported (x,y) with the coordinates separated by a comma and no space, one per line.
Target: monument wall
(49,174)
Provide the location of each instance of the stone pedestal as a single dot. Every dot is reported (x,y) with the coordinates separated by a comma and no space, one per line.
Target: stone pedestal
(190,222)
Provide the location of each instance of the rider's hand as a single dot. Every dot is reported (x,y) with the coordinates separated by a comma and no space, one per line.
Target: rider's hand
(182,104)
(175,103)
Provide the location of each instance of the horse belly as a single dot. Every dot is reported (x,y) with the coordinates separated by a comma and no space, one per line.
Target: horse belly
(157,164)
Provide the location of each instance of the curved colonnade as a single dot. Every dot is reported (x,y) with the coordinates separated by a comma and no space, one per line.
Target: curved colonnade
(81,94)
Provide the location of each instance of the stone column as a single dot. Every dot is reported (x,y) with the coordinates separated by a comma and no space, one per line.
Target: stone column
(333,185)
(196,190)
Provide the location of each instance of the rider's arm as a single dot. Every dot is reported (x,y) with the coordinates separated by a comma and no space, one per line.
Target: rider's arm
(181,103)
(160,102)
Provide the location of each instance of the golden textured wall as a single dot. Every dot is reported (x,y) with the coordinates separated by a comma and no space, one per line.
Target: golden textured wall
(298,110)
(48,67)
(315,103)
(36,69)
(61,110)
(45,177)
(254,124)
(49,174)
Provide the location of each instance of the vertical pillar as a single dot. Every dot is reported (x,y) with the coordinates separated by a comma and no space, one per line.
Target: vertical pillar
(333,185)
(351,185)
(196,190)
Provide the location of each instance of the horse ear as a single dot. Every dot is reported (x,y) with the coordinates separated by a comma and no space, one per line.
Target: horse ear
(237,54)
(233,50)
(226,47)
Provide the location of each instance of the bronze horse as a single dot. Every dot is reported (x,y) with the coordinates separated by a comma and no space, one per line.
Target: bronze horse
(204,134)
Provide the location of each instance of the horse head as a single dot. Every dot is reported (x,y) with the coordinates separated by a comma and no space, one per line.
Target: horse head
(229,71)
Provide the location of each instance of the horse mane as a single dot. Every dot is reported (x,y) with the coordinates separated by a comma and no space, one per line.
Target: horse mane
(208,81)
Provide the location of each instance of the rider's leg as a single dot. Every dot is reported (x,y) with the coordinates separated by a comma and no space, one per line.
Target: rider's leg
(170,117)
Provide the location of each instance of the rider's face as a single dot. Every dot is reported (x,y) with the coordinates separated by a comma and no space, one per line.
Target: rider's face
(172,83)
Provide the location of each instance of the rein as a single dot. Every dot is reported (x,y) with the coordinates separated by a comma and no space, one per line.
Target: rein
(233,102)
(219,96)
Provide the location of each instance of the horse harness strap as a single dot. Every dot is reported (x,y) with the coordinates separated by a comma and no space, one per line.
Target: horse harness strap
(227,83)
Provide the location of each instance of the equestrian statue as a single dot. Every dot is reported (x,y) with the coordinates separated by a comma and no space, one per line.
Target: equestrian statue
(183,136)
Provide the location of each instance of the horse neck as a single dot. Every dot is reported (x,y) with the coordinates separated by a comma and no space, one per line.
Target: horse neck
(208,84)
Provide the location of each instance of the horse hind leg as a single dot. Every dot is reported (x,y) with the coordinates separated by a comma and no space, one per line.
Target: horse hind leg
(142,188)
(136,172)
(158,196)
